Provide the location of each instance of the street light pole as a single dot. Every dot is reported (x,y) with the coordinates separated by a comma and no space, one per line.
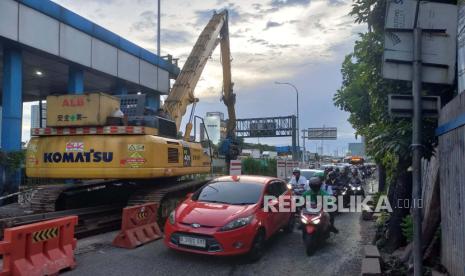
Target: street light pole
(298,125)
(158,29)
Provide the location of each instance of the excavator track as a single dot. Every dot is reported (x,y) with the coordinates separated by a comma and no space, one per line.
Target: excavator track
(59,197)
(166,193)
(167,196)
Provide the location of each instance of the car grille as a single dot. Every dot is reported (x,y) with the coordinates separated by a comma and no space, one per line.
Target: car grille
(212,244)
(201,225)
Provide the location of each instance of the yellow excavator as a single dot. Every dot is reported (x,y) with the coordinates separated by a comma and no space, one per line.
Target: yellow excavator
(139,159)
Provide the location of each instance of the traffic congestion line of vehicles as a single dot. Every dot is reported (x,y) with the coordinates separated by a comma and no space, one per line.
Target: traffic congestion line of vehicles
(227,215)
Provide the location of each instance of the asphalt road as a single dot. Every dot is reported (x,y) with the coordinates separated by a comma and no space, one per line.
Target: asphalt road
(285,255)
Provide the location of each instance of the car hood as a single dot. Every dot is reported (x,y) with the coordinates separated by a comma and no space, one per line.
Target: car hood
(210,214)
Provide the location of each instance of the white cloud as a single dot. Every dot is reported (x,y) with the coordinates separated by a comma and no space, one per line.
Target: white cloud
(270,40)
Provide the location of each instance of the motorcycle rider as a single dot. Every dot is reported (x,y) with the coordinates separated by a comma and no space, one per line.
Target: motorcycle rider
(338,172)
(314,192)
(298,182)
(331,183)
(344,178)
(355,178)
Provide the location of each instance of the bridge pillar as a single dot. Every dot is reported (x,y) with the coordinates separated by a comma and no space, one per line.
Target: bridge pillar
(12,113)
(75,80)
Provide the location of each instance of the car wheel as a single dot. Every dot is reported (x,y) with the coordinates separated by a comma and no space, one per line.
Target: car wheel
(256,251)
(289,228)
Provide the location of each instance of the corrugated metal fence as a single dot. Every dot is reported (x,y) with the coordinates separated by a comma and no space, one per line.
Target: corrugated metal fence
(452,178)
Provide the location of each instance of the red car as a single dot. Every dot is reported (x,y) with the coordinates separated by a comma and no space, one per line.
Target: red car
(227,217)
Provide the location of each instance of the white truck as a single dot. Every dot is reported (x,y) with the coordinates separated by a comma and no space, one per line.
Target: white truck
(252,153)
(270,154)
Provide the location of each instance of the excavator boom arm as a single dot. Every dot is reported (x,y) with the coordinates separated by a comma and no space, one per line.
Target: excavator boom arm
(229,98)
(182,93)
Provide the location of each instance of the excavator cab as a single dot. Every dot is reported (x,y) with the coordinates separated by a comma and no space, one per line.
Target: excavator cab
(137,114)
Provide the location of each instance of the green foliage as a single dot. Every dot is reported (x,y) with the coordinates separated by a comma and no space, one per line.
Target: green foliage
(407,228)
(364,94)
(265,167)
(382,219)
(13,160)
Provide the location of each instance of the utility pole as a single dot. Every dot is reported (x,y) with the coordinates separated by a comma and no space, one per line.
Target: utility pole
(298,127)
(303,150)
(158,28)
(417,147)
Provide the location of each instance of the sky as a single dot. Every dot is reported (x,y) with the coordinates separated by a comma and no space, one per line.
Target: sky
(298,41)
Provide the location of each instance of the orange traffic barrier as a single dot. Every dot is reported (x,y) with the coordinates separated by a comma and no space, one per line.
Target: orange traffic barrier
(43,248)
(138,226)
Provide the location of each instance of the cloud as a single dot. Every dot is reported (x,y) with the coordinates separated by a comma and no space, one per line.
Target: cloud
(337,2)
(203,16)
(272,24)
(278,4)
(175,37)
(85,2)
(147,20)
(302,37)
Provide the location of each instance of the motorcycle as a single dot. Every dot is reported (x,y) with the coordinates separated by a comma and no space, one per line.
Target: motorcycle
(296,191)
(342,192)
(356,188)
(315,228)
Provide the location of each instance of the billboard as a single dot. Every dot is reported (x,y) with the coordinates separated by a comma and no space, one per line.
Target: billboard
(265,129)
(322,133)
(439,24)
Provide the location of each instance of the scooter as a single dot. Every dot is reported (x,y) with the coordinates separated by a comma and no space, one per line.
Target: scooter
(342,192)
(356,188)
(315,228)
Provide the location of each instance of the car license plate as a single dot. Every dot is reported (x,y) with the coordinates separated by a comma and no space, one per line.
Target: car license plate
(192,241)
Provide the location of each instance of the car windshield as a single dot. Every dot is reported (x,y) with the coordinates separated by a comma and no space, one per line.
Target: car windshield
(236,193)
(308,174)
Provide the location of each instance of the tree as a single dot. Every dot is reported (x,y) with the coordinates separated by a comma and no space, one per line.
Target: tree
(364,94)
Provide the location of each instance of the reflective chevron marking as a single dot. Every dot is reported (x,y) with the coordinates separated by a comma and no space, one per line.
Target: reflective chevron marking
(45,234)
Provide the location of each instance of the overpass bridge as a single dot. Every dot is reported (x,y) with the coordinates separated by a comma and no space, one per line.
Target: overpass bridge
(46,49)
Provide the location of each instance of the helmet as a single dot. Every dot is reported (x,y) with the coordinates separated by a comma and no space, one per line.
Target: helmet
(331,175)
(354,171)
(315,184)
(320,175)
(296,170)
(337,170)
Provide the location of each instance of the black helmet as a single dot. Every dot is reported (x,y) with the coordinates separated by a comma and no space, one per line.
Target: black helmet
(331,175)
(337,170)
(315,184)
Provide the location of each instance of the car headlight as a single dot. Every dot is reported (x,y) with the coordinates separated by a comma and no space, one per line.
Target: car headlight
(352,188)
(359,188)
(240,222)
(316,221)
(303,219)
(171,217)
(289,186)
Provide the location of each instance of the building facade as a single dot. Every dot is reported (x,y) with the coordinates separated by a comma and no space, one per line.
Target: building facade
(215,125)
(35,116)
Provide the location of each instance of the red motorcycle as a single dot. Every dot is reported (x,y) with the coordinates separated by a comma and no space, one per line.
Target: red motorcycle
(315,228)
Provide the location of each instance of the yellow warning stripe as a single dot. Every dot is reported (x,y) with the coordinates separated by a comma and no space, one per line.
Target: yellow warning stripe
(45,234)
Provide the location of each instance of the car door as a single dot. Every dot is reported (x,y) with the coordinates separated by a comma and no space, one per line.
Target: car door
(272,218)
(283,195)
